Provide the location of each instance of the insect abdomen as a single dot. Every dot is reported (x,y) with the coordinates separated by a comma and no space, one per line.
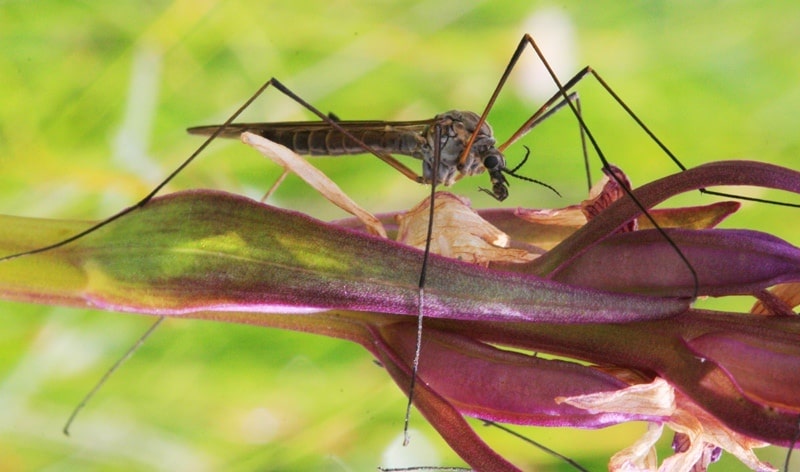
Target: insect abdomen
(332,142)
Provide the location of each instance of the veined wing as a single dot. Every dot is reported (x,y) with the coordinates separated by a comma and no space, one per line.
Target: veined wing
(320,138)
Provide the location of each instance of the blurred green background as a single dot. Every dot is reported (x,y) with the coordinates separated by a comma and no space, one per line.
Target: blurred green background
(96,97)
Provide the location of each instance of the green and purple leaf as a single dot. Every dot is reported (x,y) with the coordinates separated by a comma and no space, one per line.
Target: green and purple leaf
(610,299)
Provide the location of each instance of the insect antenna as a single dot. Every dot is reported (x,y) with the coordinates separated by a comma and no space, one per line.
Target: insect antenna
(522,163)
(513,173)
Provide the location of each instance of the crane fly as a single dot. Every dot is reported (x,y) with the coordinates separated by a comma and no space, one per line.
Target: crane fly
(457,159)
(451,146)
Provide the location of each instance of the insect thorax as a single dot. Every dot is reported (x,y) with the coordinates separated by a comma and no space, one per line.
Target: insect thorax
(456,127)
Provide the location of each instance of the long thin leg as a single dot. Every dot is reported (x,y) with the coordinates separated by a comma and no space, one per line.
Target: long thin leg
(141,203)
(437,133)
(275,185)
(271,82)
(588,70)
(562,93)
(333,121)
(541,115)
(791,447)
(425,468)
(110,371)
(585,152)
(537,444)
(607,165)
(153,192)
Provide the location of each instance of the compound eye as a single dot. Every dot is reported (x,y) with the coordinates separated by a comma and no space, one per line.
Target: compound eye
(491,162)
